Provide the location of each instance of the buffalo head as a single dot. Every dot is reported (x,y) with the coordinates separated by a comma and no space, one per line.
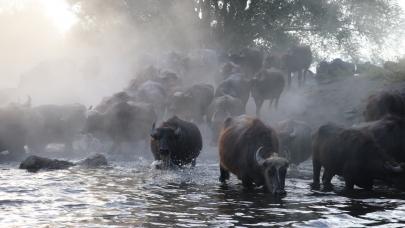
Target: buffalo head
(167,139)
(274,171)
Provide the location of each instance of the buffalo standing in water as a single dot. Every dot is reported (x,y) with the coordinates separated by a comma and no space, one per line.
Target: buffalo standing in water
(122,122)
(351,153)
(13,132)
(192,104)
(248,148)
(235,85)
(176,142)
(267,85)
(221,108)
(295,140)
(55,124)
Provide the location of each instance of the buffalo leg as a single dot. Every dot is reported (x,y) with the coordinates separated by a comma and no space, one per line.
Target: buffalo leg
(327,178)
(304,76)
(276,102)
(247,182)
(289,79)
(316,172)
(349,185)
(259,103)
(193,162)
(270,102)
(300,78)
(224,174)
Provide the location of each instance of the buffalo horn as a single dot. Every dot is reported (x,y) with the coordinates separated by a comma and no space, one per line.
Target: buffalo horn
(259,159)
(395,169)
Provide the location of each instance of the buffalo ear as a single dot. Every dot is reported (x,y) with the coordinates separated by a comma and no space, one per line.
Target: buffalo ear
(153,132)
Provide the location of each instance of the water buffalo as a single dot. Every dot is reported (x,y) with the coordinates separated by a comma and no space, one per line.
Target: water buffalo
(335,68)
(176,142)
(192,103)
(35,163)
(142,76)
(382,103)
(297,59)
(389,133)
(221,108)
(295,140)
(351,153)
(116,98)
(123,122)
(59,124)
(227,69)
(267,85)
(248,148)
(249,59)
(235,85)
(13,132)
(153,93)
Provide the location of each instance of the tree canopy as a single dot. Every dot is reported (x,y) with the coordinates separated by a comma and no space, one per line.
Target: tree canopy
(342,25)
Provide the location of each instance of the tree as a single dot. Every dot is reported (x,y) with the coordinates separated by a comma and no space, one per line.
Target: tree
(338,25)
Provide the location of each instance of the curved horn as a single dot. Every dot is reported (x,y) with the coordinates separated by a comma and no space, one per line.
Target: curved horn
(259,159)
(153,130)
(396,169)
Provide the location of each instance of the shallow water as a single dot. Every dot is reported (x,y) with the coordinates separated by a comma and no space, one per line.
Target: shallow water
(132,194)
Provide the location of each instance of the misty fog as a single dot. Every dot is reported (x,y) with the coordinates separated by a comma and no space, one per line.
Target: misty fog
(50,54)
(102,89)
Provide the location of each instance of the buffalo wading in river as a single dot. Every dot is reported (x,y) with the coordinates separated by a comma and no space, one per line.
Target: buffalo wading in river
(249,149)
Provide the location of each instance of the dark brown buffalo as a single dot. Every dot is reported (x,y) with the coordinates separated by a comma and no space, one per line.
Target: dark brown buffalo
(13,132)
(124,122)
(335,68)
(35,163)
(227,69)
(221,108)
(389,133)
(295,140)
(153,93)
(297,59)
(248,148)
(59,124)
(250,60)
(268,84)
(176,142)
(148,73)
(116,98)
(192,103)
(383,103)
(235,85)
(351,153)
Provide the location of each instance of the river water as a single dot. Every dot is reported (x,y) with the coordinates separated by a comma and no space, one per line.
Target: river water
(132,194)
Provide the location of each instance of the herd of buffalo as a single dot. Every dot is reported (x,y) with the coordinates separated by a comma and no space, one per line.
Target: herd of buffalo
(258,154)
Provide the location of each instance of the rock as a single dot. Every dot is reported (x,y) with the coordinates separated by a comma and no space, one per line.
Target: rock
(34,163)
